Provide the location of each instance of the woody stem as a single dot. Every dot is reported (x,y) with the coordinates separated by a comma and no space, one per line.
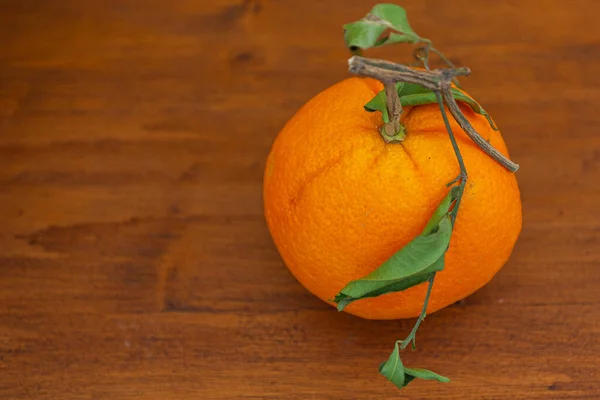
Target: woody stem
(472,133)
(392,128)
(435,80)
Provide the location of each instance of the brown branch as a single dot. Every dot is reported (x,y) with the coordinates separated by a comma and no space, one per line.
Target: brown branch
(386,71)
(394,108)
(438,80)
(464,123)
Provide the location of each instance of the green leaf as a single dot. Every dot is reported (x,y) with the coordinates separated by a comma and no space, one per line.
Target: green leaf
(399,375)
(425,96)
(441,211)
(409,89)
(362,34)
(425,374)
(367,32)
(378,103)
(411,265)
(416,95)
(395,16)
(393,369)
(407,268)
(397,19)
(395,38)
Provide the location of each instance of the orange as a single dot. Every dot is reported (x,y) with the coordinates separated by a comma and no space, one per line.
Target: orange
(339,201)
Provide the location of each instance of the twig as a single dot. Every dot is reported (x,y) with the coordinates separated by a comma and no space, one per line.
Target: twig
(472,133)
(443,57)
(435,80)
(461,164)
(412,335)
(428,48)
(462,177)
(386,71)
(463,181)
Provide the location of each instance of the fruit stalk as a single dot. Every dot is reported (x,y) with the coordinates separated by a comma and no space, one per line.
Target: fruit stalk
(392,131)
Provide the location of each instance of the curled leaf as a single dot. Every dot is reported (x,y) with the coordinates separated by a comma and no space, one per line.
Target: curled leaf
(368,31)
(395,371)
(378,103)
(411,265)
(363,34)
(425,374)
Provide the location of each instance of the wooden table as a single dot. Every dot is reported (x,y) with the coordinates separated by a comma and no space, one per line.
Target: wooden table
(134,258)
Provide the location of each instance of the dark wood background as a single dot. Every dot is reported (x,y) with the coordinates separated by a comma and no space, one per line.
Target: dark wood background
(135,262)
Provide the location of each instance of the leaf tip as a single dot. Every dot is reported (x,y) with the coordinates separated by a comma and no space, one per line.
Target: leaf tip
(342,301)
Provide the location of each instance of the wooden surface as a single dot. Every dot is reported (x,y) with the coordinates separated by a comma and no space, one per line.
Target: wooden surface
(135,262)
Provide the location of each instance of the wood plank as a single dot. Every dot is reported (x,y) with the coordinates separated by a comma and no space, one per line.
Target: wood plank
(135,262)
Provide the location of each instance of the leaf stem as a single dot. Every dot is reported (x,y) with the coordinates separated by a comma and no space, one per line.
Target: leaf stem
(462,176)
(461,164)
(442,56)
(453,213)
(426,49)
(453,181)
(412,335)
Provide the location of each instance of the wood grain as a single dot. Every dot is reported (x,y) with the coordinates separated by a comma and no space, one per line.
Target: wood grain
(134,258)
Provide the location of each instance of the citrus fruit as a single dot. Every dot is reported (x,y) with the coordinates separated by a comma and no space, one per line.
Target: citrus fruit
(339,201)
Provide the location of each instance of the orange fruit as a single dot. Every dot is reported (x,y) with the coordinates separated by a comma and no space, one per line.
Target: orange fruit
(339,201)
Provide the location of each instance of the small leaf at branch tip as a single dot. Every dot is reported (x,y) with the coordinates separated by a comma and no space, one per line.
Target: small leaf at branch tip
(426,374)
(342,301)
(395,371)
(367,32)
